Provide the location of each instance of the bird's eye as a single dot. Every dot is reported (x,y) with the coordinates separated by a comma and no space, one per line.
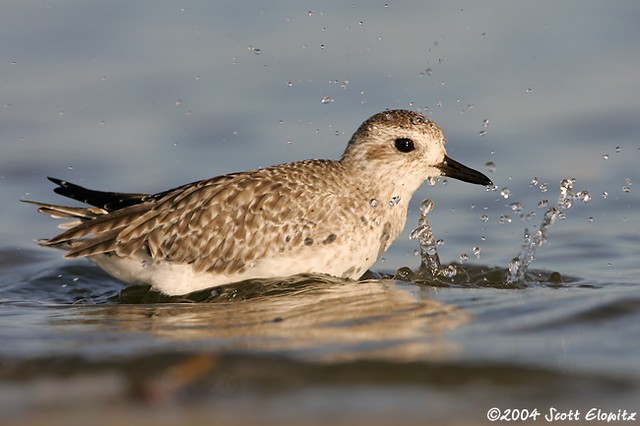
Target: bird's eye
(404,145)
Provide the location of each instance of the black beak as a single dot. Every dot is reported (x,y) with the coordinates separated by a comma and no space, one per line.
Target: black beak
(451,168)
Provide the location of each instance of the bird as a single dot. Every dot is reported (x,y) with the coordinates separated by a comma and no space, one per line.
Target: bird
(332,217)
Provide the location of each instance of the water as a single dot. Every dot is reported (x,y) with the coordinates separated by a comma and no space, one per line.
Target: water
(520,264)
(432,271)
(130,98)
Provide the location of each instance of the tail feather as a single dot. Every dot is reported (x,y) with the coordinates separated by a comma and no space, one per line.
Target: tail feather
(80,214)
(90,230)
(66,212)
(100,224)
(108,201)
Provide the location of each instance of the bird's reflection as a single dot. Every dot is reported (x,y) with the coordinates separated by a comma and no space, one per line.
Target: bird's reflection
(313,317)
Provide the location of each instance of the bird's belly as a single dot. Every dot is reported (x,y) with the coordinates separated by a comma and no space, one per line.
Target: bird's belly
(347,260)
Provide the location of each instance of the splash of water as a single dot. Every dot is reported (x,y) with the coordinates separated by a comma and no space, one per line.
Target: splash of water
(428,246)
(430,266)
(519,265)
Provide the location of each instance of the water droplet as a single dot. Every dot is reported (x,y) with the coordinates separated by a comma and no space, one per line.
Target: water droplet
(529,90)
(591,219)
(432,181)
(543,204)
(484,218)
(255,50)
(450,271)
(178,102)
(476,252)
(463,257)
(373,203)
(69,167)
(605,194)
(504,218)
(514,266)
(627,185)
(344,83)
(505,193)
(618,149)
(485,122)
(483,35)
(311,13)
(516,207)
(482,132)
(440,242)
(491,166)
(326,100)
(583,196)
(533,182)
(605,157)
(290,83)
(426,206)
(544,187)
(416,121)
(394,201)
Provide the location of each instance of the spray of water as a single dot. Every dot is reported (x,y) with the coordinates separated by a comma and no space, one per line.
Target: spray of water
(519,265)
(430,266)
(424,234)
(432,270)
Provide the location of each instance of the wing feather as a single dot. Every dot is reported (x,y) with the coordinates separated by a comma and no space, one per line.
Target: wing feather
(218,225)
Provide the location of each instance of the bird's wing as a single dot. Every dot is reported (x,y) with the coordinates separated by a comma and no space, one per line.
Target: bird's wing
(217,225)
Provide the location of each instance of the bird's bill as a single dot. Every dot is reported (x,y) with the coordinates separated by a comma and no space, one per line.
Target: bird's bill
(451,168)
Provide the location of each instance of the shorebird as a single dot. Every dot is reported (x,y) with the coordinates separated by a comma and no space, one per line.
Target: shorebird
(334,217)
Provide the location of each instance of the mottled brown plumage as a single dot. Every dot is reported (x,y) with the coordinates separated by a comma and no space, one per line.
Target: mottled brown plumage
(320,216)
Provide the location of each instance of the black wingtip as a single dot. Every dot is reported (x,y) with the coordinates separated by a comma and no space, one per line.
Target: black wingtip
(108,201)
(57,181)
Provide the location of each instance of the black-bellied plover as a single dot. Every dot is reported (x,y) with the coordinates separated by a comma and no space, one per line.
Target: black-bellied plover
(314,216)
